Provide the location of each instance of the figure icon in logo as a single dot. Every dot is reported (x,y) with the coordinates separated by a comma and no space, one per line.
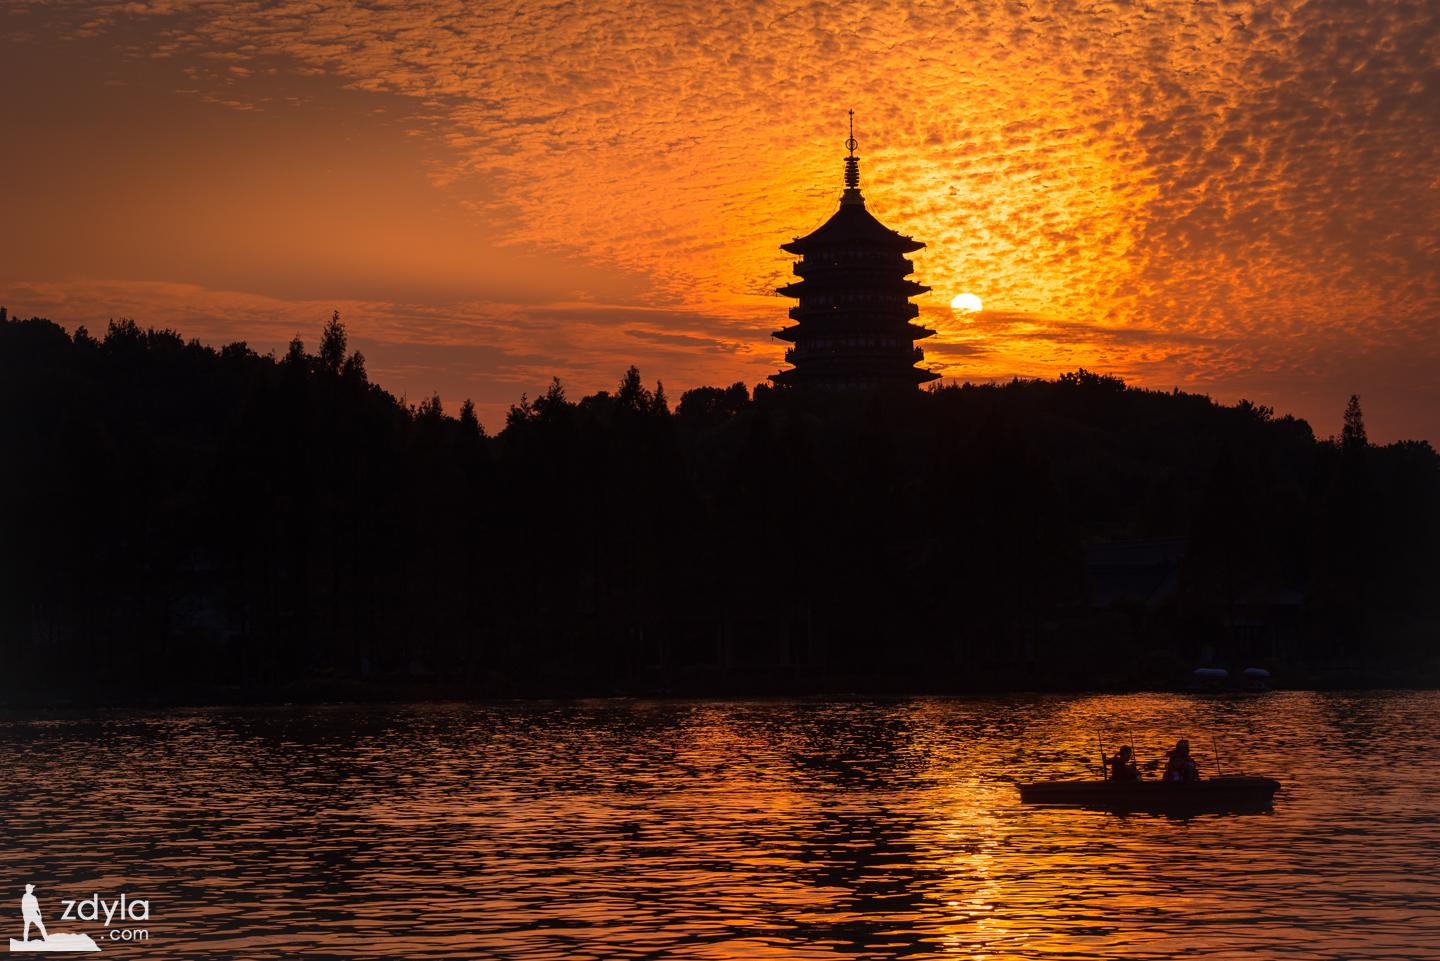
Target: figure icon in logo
(30,911)
(30,908)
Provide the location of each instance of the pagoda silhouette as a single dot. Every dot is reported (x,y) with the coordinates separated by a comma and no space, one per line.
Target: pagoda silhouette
(853,327)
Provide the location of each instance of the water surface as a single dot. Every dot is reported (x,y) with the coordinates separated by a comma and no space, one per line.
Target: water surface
(814,829)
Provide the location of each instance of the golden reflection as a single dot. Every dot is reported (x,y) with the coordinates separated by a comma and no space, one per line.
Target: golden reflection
(741,830)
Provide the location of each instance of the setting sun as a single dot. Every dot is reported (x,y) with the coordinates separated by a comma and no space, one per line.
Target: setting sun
(966,303)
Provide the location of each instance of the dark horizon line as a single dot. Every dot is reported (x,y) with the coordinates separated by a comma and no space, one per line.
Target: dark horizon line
(402,399)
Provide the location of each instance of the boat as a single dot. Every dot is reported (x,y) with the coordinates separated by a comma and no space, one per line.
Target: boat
(1229,792)
(1204,679)
(1255,679)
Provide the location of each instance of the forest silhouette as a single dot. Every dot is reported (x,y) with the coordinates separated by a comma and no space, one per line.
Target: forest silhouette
(186,522)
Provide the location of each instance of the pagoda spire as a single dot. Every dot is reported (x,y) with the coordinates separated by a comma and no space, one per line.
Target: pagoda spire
(852,171)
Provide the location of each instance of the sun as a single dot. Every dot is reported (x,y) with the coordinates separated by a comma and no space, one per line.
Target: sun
(966,303)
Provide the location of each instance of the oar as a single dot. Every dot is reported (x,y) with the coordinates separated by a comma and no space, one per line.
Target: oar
(1104,774)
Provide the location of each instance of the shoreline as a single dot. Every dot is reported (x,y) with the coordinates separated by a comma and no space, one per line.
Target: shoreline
(359,693)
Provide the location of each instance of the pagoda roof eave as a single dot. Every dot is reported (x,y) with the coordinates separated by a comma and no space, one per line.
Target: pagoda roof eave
(852,224)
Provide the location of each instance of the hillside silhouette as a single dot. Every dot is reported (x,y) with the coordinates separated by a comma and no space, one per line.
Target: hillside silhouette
(184,522)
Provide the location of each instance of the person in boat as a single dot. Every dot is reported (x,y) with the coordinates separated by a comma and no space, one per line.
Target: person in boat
(1180,768)
(1122,766)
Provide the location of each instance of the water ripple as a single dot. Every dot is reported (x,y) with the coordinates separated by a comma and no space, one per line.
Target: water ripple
(813,829)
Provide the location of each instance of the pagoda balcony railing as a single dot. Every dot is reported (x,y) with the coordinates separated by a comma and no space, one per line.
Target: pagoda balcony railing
(887,267)
(850,257)
(887,340)
(853,290)
(804,311)
(794,354)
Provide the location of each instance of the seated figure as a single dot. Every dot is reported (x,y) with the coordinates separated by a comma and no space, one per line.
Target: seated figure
(1180,768)
(1122,766)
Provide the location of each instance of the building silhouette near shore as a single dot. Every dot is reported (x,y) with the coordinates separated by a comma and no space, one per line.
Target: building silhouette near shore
(853,327)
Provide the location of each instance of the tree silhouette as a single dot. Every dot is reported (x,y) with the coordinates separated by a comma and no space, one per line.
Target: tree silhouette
(1352,435)
(268,526)
(632,395)
(354,368)
(295,355)
(333,341)
(469,423)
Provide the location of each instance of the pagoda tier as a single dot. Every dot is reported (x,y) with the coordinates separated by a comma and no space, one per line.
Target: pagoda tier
(853,325)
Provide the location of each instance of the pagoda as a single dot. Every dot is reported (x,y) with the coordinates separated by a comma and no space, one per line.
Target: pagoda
(853,327)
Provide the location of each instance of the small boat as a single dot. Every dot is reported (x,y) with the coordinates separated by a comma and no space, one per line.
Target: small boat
(1217,794)
(1255,679)
(1204,679)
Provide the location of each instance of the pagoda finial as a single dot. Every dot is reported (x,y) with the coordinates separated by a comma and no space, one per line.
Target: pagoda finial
(852,170)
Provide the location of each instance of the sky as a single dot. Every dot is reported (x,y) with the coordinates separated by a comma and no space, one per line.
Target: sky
(1234,198)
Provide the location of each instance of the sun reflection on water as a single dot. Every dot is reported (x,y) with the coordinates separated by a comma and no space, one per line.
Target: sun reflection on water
(732,830)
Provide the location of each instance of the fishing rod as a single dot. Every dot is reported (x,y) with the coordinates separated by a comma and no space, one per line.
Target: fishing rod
(1104,772)
(1215,743)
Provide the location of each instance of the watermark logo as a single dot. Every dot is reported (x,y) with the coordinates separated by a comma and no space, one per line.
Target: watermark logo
(117,915)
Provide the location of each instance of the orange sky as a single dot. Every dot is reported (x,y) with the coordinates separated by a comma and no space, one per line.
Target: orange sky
(1235,198)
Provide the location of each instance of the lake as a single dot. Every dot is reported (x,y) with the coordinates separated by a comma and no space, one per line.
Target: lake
(738,829)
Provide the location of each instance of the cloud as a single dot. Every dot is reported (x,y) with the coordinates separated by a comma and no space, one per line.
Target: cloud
(1208,191)
(684,341)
